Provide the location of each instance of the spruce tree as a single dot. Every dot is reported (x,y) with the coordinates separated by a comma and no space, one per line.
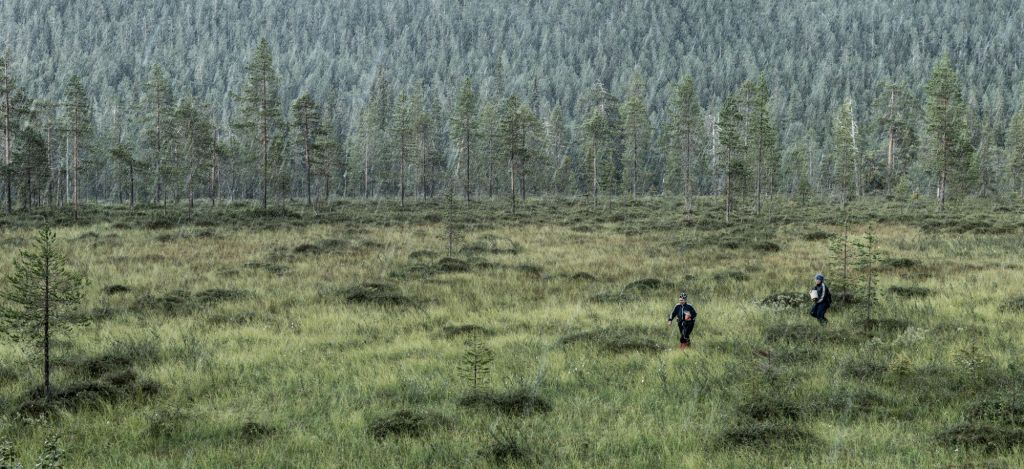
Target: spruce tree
(260,109)
(38,297)
(404,132)
(946,120)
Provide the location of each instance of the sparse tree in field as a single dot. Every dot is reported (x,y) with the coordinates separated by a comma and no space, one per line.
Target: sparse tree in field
(465,125)
(946,119)
(845,150)
(476,363)
(38,297)
(14,108)
(79,126)
(306,126)
(897,110)
(686,139)
(157,132)
(636,131)
(261,109)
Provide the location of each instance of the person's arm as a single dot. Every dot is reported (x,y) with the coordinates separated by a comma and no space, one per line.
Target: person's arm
(693,313)
(821,293)
(674,313)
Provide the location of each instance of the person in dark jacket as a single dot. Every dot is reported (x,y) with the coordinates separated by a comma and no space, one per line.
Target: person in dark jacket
(823,300)
(687,317)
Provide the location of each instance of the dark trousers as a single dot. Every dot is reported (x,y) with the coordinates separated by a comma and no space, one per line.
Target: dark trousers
(818,311)
(685,328)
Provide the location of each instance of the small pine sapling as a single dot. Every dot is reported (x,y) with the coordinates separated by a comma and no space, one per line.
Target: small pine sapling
(867,263)
(476,363)
(37,296)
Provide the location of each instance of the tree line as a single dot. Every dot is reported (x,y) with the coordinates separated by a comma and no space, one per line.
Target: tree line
(405,142)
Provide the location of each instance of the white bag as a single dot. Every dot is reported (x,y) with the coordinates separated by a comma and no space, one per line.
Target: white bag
(814,294)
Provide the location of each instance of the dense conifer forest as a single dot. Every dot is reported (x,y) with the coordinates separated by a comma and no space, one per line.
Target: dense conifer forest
(142,102)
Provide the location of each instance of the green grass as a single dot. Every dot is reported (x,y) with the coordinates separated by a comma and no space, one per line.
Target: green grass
(333,338)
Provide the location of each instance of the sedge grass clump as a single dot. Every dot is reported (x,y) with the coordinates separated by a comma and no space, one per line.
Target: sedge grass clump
(521,401)
(615,340)
(382,294)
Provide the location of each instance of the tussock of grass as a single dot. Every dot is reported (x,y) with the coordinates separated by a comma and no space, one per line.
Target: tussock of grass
(1013,305)
(466,329)
(785,301)
(383,294)
(764,435)
(251,431)
(406,422)
(116,289)
(615,340)
(520,401)
(490,244)
(909,291)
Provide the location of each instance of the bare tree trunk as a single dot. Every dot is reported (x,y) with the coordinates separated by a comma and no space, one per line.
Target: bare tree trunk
(512,174)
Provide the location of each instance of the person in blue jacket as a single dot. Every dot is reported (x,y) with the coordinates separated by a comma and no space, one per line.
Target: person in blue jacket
(687,317)
(823,300)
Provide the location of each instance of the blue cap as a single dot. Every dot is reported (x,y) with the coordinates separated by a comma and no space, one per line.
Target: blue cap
(819,277)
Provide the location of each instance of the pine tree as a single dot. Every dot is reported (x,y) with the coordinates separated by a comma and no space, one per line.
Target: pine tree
(196,141)
(514,126)
(946,119)
(490,135)
(465,127)
(404,132)
(260,105)
(763,140)
(37,298)
(636,130)
(897,111)
(563,176)
(158,110)
(122,156)
(78,124)
(597,149)
(32,163)
(14,108)
(1015,146)
(730,137)
(686,140)
(307,127)
(845,150)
